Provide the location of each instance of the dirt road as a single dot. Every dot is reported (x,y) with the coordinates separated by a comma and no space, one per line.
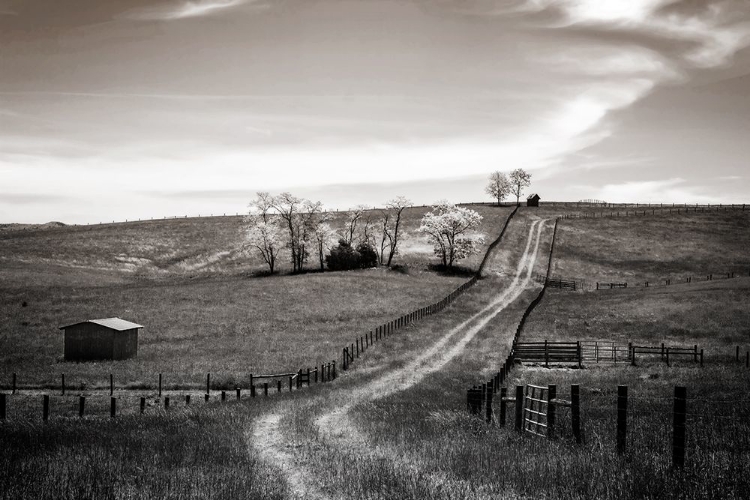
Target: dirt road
(334,424)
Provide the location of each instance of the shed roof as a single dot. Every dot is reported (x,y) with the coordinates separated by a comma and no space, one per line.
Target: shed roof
(111,323)
(533,195)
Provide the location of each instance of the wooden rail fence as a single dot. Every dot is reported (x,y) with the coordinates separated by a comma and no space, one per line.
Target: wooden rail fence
(547,352)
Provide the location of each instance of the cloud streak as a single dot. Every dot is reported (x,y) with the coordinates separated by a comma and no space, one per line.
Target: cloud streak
(184,10)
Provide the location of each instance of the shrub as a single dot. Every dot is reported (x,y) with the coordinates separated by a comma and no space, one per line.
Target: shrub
(367,256)
(343,257)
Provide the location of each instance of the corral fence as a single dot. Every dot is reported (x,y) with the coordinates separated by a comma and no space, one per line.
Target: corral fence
(560,283)
(605,351)
(547,352)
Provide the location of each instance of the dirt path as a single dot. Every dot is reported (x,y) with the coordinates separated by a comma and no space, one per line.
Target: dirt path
(335,426)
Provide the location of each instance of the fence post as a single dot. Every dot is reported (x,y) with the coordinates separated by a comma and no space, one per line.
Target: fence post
(575,410)
(278,387)
(208,382)
(252,390)
(551,395)
(265,388)
(187,400)
(678,439)
(62,383)
(112,407)
(2,406)
(622,417)
(333,363)
(143,405)
(14,383)
(45,408)
(546,354)
(503,407)
(206,397)
(111,384)
(81,406)
(291,379)
(580,354)
(166,403)
(160,385)
(667,356)
(239,393)
(519,408)
(488,404)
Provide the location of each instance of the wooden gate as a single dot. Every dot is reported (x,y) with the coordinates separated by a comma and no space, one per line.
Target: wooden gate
(535,409)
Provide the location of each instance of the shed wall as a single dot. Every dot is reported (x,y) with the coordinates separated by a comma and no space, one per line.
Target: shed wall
(88,341)
(125,344)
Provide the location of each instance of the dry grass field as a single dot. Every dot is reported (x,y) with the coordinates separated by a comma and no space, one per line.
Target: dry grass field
(396,426)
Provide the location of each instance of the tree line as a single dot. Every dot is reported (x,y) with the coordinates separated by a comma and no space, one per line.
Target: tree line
(285,226)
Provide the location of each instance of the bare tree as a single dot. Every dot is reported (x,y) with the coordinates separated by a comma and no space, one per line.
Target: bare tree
(353,219)
(519,179)
(385,218)
(299,216)
(498,187)
(396,206)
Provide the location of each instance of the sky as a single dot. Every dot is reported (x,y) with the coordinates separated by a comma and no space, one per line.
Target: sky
(149,108)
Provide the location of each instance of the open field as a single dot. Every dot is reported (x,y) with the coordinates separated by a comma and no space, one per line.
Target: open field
(653,248)
(395,426)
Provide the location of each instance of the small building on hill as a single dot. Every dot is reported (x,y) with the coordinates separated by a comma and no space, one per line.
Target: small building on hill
(108,338)
(533,200)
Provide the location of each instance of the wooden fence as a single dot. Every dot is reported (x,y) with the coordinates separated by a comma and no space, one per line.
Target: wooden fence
(561,283)
(652,209)
(547,352)
(536,413)
(605,351)
(535,407)
(675,281)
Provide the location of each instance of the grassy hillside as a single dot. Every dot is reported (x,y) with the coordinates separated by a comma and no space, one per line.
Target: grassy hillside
(186,247)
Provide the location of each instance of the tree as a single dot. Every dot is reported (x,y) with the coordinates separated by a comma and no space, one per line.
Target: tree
(299,217)
(396,206)
(350,226)
(499,186)
(267,238)
(446,227)
(519,179)
(324,237)
(262,230)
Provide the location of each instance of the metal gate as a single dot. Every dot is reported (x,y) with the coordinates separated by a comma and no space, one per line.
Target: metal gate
(535,409)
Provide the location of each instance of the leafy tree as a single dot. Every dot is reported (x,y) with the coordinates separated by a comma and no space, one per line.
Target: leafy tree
(447,227)
(324,238)
(263,232)
(498,187)
(519,179)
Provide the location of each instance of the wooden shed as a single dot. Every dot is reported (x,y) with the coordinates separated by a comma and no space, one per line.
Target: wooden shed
(533,200)
(108,338)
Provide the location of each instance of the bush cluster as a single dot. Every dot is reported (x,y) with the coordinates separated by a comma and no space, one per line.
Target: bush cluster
(344,257)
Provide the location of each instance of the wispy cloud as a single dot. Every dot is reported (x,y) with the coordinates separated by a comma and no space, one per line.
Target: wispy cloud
(189,9)
(673,190)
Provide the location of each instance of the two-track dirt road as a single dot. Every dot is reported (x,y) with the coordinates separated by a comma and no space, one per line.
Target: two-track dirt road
(334,425)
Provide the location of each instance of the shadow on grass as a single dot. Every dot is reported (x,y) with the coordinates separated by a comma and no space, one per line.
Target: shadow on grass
(451,270)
